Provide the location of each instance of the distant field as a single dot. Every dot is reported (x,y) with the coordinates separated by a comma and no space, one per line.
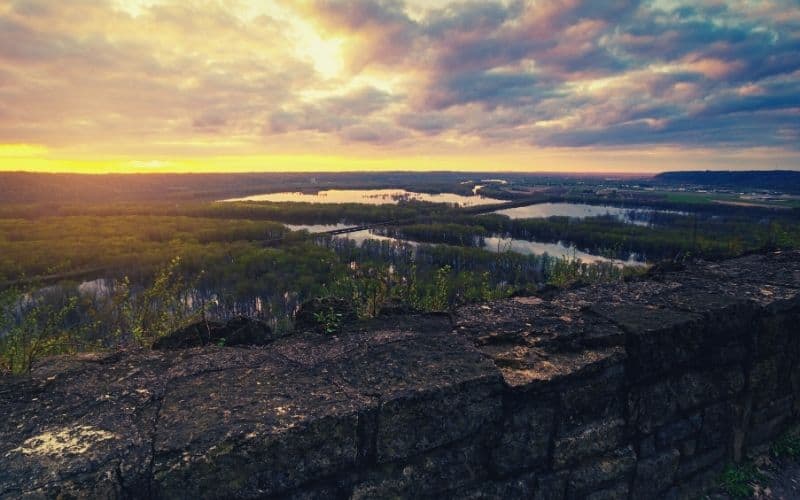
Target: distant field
(733,199)
(696,198)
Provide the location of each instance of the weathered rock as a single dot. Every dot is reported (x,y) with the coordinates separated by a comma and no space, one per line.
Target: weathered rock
(449,469)
(617,492)
(587,442)
(640,389)
(535,486)
(594,398)
(235,332)
(411,385)
(687,488)
(398,308)
(656,338)
(678,431)
(313,314)
(699,463)
(719,422)
(613,468)
(525,436)
(655,475)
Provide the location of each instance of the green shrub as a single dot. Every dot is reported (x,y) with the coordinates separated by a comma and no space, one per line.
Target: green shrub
(738,480)
(329,321)
(33,325)
(788,445)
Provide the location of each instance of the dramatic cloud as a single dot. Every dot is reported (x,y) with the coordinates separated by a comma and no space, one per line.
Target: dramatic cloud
(155,79)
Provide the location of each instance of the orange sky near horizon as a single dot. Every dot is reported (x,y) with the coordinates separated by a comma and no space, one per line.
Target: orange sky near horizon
(101,86)
(38,159)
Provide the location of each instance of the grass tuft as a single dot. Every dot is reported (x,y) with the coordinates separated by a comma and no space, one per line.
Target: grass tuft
(788,445)
(738,480)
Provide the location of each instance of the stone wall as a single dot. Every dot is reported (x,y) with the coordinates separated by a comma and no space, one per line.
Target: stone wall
(642,389)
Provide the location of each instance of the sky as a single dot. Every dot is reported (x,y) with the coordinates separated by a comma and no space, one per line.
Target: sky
(347,85)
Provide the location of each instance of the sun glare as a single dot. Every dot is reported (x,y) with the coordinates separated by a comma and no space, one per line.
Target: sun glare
(21,150)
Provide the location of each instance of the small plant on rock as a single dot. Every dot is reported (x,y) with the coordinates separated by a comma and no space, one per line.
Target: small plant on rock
(738,480)
(328,320)
(788,445)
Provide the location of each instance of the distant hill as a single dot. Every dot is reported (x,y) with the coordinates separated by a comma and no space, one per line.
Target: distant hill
(28,187)
(778,180)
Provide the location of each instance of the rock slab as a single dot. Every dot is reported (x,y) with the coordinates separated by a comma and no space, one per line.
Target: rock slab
(640,389)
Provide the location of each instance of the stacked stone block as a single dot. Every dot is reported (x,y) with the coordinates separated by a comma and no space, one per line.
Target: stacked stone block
(641,389)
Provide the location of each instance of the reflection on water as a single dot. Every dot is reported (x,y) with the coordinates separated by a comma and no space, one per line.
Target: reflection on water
(641,217)
(361,236)
(358,237)
(499,244)
(317,228)
(478,187)
(100,287)
(491,243)
(370,197)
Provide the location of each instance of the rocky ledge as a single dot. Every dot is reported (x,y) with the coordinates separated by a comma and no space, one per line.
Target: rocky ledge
(641,389)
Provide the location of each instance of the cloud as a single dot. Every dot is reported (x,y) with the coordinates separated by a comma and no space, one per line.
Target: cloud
(380,31)
(430,123)
(87,72)
(329,114)
(209,122)
(376,132)
(489,89)
(402,74)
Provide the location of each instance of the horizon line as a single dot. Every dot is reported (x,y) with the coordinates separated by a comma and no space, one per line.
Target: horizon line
(444,171)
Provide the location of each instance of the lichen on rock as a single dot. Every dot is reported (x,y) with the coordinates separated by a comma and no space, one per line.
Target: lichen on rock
(68,440)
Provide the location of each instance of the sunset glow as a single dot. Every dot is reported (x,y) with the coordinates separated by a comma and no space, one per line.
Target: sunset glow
(338,85)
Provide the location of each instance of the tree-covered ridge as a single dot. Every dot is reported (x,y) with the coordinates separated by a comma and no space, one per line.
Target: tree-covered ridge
(778,180)
(28,187)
